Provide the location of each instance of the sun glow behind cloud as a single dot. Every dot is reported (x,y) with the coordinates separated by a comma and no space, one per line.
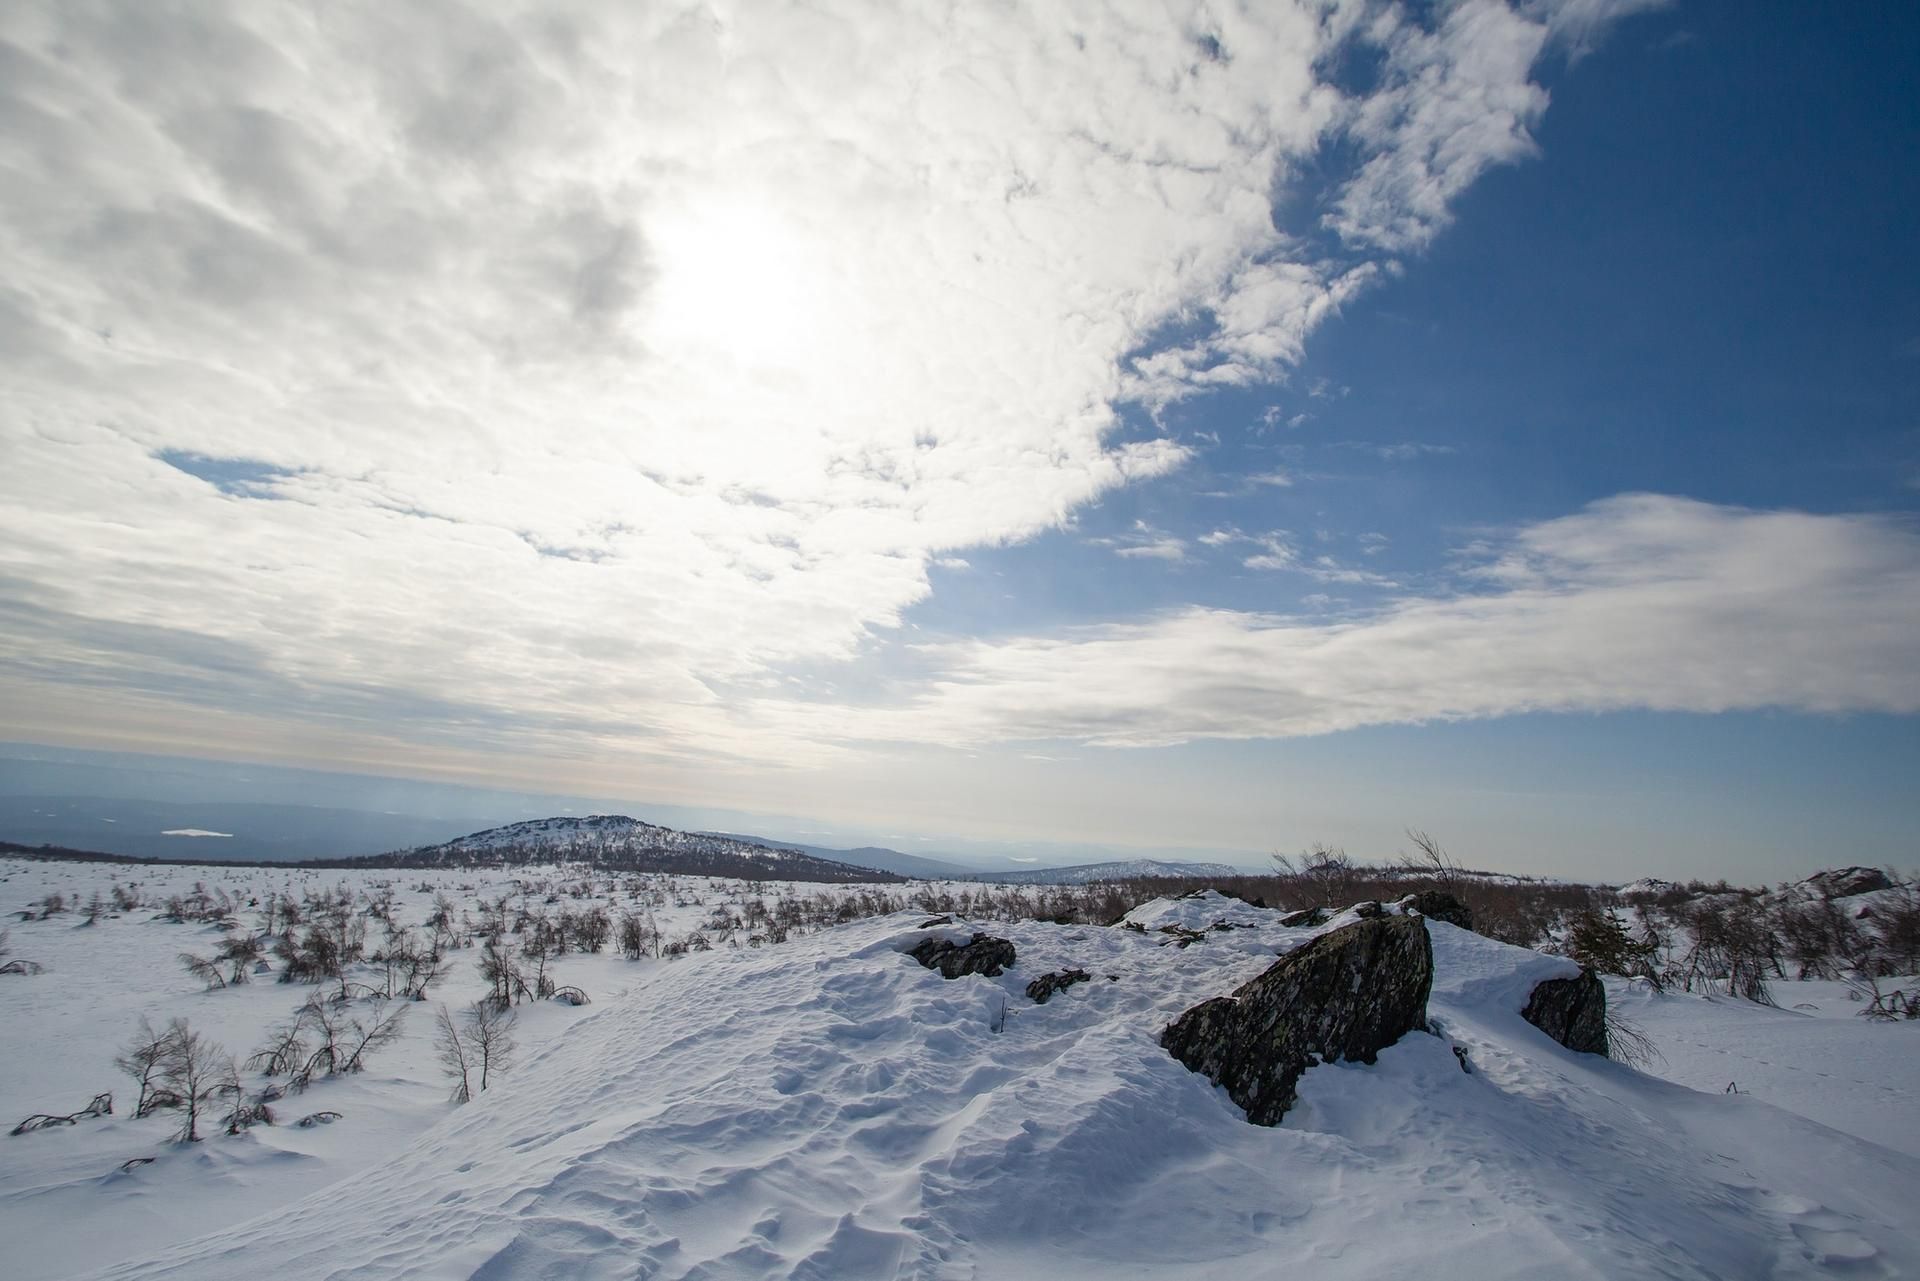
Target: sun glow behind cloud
(736,282)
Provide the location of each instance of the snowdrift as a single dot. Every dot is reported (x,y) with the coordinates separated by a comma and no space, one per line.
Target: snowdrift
(831,1109)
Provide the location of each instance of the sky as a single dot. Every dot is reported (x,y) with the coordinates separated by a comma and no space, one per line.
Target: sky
(1146,426)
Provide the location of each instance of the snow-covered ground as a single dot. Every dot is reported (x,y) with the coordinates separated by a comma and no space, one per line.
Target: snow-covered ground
(828,1108)
(1813,1055)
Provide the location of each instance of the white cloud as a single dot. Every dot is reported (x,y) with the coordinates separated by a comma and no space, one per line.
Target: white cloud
(1276,552)
(1457,100)
(1398,452)
(588,367)
(1158,549)
(1641,601)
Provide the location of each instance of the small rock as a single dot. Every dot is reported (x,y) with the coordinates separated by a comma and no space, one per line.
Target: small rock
(938,920)
(1571,1011)
(1042,989)
(1438,905)
(1304,917)
(984,955)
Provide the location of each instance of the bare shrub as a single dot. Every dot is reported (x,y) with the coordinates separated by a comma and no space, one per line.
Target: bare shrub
(341,1041)
(15,966)
(1628,1043)
(102,1105)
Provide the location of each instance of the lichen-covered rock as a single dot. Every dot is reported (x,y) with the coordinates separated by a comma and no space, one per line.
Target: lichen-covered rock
(984,955)
(1571,1011)
(1346,995)
(1041,990)
(1438,905)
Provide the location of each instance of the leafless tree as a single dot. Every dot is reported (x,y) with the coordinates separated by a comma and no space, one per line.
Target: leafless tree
(451,1048)
(195,1071)
(1324,870)
(145,1059)
(591,929)
(1431,861)
(490,1034)
(477,1044)
(502,972)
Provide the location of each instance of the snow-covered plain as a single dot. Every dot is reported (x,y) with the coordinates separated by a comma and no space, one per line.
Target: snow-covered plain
(828,1108)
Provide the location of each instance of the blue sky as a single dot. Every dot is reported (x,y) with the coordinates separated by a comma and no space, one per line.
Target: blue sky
(1191,431)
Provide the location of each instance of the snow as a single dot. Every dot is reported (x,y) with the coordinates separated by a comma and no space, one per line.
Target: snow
(1812,1056)
(828,1108)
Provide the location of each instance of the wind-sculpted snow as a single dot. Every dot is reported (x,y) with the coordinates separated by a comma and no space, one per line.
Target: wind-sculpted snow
(831,1109)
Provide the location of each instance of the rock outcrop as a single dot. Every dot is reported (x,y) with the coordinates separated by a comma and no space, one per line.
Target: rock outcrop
(1845,882)
(1571,1011)
(1346,995)
(1438,905)
(984,955)
(1041,990)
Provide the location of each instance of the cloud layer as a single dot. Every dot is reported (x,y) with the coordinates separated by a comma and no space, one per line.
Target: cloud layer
(594,368)
(1641,601)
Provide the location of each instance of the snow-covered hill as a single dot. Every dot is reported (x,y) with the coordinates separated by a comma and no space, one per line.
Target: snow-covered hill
(616,842)
(1131,869)
(830,1109)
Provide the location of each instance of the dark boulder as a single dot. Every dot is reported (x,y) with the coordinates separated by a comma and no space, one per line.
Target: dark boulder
(1304,917)
(1571,1011)
(1041,990)
(984,955)
(1345,995)
(1438,905)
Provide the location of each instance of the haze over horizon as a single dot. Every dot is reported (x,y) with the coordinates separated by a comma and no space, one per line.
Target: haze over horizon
(1149,428)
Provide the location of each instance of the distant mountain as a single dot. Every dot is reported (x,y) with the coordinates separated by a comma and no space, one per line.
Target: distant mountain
(1132,869)
(911,865)
(618,843)
(248,832)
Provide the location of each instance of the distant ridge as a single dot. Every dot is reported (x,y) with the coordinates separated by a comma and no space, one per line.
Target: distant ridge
(619,843)
(1132,869)
(887,860)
